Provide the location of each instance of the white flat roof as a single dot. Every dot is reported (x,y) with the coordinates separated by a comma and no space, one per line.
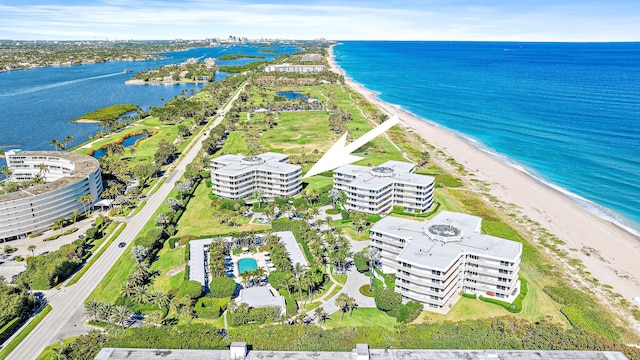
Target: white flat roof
(295,253)
(272,162)
(422,249)
(401,174)
(196,260)
(260,296)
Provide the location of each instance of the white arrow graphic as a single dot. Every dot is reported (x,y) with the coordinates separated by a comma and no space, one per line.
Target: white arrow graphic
(340,154)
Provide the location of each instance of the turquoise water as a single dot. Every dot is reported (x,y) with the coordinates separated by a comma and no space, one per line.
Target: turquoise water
(247,264)
(567,113)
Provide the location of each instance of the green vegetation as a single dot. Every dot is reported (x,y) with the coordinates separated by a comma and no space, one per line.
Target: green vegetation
(242,68)
(362,317)
(240,56)
(96,255)
(109,112)
(267,51)
(24,332)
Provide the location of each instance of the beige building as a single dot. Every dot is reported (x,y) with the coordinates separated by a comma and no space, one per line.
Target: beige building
(239,176)
(436,259)
(376,190)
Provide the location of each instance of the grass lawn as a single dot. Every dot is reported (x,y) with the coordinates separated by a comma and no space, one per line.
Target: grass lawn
(308,130)
(168,259)
(361,317)
(447,201)
(215,323)
(236,143)
(11,345)
(199,218)
(536,306)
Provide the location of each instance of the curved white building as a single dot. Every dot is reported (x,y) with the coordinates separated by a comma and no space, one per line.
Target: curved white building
(68,176)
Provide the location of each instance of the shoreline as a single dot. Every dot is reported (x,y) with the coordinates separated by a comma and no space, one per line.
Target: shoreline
(142,82)
(615,249)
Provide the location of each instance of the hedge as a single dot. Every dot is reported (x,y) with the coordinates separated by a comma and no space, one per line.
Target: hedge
(399,211)
(516,307)
(9,329)
(470,296)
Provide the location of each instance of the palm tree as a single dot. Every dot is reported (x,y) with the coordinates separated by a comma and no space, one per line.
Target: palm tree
(6,171)
(351,304)
(120,315)
(43,169)
(105,311)
(298,272)
(373,255)
(88,199)
(128,289)
(32,248)
(139,295)
(66,140)
(174,204)
(159,298)
(321,315)
(92,308)
(163,220)
(59,223)
(56,144)
(259,273)
(341,303)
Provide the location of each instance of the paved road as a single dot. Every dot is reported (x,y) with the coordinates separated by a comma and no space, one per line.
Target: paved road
(68,303)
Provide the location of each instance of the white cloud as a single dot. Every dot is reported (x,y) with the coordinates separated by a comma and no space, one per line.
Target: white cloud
(119,19)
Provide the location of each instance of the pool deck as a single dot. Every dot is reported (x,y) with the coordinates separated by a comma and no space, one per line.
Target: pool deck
(259,257)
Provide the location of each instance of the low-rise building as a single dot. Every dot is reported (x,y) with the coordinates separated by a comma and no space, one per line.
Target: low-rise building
(239,176)
(376,190)
(434,260)
(312,57)
(295,68)
(261,296)
(266,80)
(68,177)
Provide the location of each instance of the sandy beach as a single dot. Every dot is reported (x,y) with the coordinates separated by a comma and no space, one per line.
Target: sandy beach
(608,252)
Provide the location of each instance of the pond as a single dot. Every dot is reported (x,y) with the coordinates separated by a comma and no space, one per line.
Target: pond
(130,141)
(292,95)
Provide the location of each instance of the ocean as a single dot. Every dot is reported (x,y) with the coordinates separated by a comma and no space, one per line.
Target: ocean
(566,113)
(38,105)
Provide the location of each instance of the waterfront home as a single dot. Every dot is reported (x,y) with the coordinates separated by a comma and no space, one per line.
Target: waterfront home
(434,260)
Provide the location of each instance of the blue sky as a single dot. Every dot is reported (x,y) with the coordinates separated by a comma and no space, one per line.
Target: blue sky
(499,20)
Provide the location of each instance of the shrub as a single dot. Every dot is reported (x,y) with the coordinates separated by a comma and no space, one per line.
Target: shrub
(277,278)
(470,296)
(361,262)
(8,249)
(35,234)
(190,288)
(19,258)
(373,218)
(406,313)
(386,299)
(222,287)
(210,308)
(332,211)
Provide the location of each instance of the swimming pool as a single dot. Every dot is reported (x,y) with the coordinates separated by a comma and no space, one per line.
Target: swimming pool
(247,264)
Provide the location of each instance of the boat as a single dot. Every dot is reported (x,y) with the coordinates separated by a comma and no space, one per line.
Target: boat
(126,71)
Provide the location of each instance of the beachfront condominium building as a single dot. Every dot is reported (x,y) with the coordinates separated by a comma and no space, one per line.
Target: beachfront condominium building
(67,178)
(376,190)
(312,57)
(436,259)
(295,68)
(239,176)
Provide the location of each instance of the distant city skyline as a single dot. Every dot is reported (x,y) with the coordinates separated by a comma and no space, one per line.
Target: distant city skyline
(492,20)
